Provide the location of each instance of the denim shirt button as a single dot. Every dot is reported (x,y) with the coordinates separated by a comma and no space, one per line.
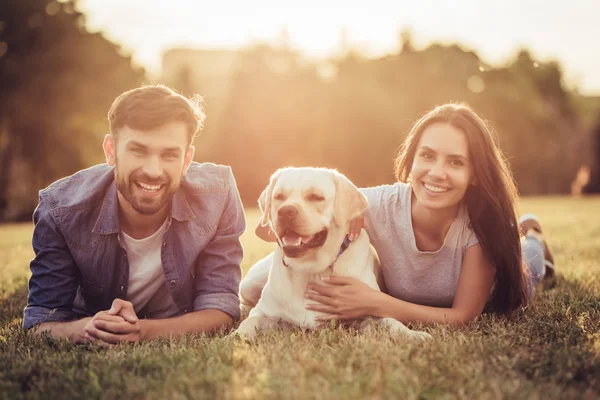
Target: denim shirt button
(165,244)
(185,311)
(172,282)
(122,288)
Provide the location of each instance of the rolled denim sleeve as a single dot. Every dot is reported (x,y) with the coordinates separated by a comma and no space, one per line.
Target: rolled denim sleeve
(54,275)
(218,269)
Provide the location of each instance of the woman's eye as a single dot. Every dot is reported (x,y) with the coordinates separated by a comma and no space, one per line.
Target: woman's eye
(457,163)
(279,196)
(427,156)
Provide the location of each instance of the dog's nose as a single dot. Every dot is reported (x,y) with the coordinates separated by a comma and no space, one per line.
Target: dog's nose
(287,212)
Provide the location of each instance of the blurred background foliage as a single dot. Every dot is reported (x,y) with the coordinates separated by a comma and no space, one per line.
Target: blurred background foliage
(269,107)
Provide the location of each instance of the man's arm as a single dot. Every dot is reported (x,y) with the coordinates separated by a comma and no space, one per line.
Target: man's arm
(204,321)
(54,277)
(128,328)
(218,271)
(73,330)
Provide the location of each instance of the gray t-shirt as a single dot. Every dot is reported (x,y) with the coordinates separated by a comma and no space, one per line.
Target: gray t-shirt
(422,277)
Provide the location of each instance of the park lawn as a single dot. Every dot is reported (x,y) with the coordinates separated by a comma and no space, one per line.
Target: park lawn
(549,350)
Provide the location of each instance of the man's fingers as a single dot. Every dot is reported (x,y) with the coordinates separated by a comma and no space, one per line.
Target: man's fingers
(105,316)
(129,315)
(106,337)
(93,340)
(124,309)
(119,328)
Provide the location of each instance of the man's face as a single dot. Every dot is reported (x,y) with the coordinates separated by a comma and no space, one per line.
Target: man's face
(149,164)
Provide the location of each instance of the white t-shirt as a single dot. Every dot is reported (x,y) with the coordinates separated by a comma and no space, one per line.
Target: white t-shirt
(146,276)
(422,277)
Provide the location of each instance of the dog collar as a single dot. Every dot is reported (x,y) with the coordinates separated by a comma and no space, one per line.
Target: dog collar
(344,245)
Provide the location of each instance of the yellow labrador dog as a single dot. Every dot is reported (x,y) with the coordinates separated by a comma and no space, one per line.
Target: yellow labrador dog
(309,210)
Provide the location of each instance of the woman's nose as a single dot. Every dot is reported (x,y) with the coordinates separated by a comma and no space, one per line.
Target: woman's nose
(437,170)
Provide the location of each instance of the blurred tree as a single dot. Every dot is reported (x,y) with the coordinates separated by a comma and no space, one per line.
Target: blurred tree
(280,112)
(57,82)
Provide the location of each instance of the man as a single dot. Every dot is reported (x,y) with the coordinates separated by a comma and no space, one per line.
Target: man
(144,246)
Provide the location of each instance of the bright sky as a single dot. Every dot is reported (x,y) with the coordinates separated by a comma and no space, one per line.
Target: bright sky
(563,30)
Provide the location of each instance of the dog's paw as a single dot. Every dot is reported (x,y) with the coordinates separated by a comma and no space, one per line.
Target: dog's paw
(418,336)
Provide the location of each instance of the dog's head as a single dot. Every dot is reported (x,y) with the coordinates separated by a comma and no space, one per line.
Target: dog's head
(309,209)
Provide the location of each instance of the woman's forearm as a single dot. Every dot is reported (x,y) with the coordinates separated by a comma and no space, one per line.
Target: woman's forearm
(405,312)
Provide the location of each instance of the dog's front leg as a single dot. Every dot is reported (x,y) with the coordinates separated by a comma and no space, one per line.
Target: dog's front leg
(250,327)
(396,326)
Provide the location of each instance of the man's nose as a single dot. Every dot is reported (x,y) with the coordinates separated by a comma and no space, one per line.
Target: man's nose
(153,167)
(287,212)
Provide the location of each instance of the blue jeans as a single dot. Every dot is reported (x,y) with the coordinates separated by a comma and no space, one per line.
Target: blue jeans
(533,255)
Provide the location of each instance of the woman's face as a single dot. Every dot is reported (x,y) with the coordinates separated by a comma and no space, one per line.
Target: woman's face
(441,170)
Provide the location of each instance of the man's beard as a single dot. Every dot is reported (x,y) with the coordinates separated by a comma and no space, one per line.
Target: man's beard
(141,204)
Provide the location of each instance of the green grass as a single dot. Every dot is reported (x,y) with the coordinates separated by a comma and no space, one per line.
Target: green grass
(550,350)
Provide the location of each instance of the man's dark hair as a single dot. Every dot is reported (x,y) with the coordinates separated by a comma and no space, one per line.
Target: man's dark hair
(151,106)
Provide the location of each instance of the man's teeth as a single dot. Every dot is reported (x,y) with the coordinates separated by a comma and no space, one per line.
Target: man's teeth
(149,187)
(436,189)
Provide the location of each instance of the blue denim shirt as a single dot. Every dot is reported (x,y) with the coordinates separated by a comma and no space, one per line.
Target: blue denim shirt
(80,267)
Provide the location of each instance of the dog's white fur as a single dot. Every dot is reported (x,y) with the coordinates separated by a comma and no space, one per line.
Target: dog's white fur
(323,199)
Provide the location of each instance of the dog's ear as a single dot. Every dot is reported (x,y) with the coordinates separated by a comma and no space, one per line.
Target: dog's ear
(349,201)
(264,203)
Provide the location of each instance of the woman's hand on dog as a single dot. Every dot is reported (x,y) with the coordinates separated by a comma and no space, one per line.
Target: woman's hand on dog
(348,298)
(355,227)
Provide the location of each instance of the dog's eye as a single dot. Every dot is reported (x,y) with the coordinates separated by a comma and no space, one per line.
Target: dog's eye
(279,197)
(315,197)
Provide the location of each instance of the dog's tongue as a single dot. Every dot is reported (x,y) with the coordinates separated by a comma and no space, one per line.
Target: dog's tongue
(293,239)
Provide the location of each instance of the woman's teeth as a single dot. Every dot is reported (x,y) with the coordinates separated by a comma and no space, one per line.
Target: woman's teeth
(436,189)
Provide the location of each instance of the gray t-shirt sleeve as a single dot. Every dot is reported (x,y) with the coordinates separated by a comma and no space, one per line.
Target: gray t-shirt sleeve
(374,211)
(471,238)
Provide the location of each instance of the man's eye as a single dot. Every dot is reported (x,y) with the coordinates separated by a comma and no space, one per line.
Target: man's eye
(138,151)
(315,197)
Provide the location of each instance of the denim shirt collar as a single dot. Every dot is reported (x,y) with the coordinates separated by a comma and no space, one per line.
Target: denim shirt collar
(108,219)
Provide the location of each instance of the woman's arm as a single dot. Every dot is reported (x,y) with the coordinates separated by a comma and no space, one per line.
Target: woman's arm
(350,298)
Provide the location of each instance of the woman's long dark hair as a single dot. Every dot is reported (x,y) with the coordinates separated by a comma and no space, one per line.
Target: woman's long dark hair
(490,203)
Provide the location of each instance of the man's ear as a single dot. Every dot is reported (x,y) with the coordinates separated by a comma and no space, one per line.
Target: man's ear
(110,149)
(189,157)
(349,201)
